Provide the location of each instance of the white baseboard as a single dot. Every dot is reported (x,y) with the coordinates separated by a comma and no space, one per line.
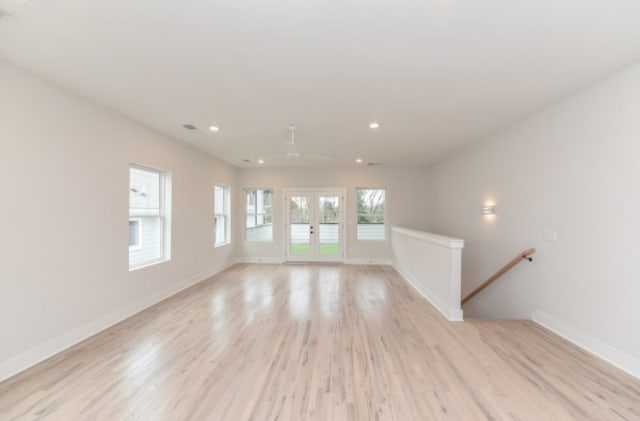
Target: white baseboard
(278,260)
(271,260)
(450,313)
(590,344)
(366,261)
(21,362)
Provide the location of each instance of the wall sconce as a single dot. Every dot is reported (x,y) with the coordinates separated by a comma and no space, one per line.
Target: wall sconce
(488,210)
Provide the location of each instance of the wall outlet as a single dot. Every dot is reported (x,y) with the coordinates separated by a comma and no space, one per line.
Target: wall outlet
(550,235)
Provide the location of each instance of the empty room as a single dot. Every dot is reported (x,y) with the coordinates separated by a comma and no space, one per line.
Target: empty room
(319,210)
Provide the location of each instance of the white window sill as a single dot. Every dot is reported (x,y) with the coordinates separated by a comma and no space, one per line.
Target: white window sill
(147,264)
(222,244)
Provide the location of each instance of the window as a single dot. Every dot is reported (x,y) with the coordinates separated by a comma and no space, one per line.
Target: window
(148,216)
(259,215)
(371,214)
(221,211)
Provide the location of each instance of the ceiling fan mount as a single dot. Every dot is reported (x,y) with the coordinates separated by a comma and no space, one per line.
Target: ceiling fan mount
(291,151)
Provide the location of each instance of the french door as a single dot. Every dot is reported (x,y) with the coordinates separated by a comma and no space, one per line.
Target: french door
(314,227)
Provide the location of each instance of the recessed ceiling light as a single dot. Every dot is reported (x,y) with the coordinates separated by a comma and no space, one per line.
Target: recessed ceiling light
(260,161)
(214,128)
(374,125)
(359,160)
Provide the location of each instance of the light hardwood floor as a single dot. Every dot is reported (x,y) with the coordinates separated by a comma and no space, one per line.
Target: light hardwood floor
(317,342)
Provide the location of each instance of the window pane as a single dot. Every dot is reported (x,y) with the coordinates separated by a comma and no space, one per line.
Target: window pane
(134,234)
(268,206)
(221,214)
(144,189)
(220,229)
(300,241)
(147,230)
(258,218)
(251,201)
(370,216)
(371,201)
(328,230)
(218,199)
(328,209)
(299,210)
(260,233)
(371,232)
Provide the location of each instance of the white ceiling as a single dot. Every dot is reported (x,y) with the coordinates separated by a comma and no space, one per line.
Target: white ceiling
(436,74)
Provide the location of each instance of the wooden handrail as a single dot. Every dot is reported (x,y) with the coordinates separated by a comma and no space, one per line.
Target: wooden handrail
(524,255)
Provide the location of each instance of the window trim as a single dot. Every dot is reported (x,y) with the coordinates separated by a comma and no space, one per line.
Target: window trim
(163,214)
(246,214)
(384,216)
(226,202)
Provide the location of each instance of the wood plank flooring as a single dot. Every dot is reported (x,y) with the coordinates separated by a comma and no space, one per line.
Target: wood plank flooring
(317,342)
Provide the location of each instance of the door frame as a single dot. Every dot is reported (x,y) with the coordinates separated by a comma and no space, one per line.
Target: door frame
(314,192)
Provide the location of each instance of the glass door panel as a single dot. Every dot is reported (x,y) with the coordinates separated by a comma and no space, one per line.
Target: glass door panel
(300,225)
(329,225)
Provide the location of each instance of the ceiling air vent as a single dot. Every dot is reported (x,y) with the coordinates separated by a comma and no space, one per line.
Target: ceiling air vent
(190,127)
(373,164)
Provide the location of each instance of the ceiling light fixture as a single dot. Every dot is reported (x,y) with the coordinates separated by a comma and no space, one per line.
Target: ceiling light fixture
(359,160)
(261,161)
(374,125)
(214,128)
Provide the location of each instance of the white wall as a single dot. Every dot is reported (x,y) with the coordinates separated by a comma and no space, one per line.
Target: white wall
(406,203)
(573,168)
(432,264)
(64,174)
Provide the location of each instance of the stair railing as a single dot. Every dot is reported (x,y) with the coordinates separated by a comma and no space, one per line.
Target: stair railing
(525,255)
